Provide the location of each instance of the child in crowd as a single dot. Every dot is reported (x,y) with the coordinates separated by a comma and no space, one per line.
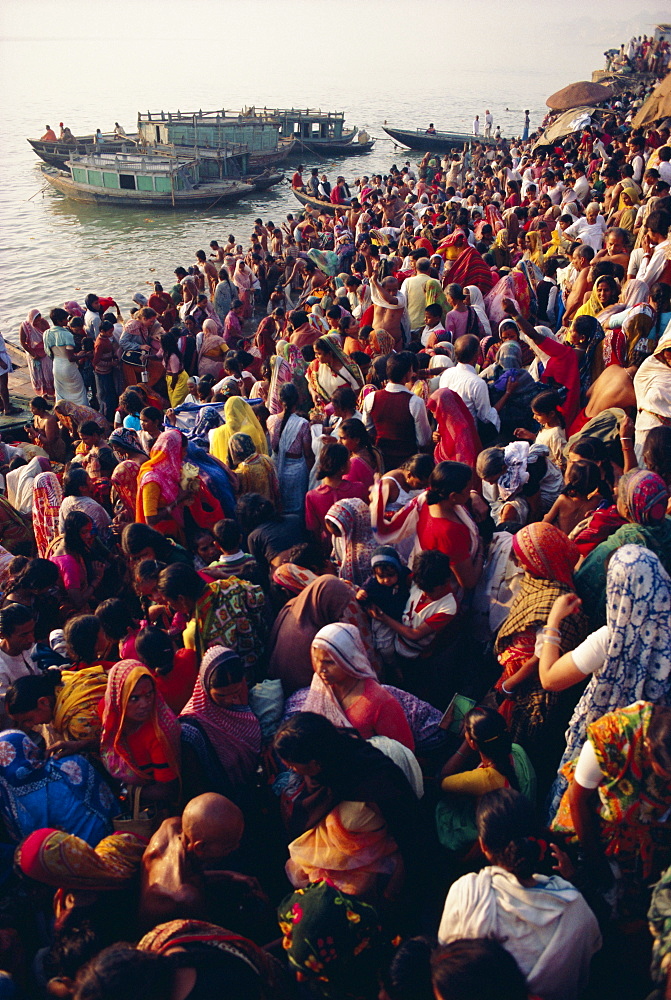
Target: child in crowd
(386,590)
(175,672)
(583,493)
(433,331)
(228,539)
(545,408)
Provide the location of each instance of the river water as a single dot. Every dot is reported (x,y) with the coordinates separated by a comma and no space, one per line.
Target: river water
(90,63)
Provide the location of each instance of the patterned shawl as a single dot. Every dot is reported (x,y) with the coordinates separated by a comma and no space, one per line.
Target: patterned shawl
(47,500)
(124,481)
(62,860)
(352,518)
(164,467)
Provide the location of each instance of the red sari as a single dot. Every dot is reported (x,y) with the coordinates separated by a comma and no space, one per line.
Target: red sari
(459,441)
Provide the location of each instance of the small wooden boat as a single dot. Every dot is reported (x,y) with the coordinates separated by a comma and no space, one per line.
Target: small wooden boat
(317,203)
(328,149)
(138,181)
(56,154)
(436,142)
(261,182)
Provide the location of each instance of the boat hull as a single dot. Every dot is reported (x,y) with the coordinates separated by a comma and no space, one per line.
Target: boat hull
(315,203)
(337,148)
(261,182)
(441,142)
(204,195)
(56,154)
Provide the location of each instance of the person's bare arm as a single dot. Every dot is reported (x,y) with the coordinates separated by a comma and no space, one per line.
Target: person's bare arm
(626,430)
(556,671)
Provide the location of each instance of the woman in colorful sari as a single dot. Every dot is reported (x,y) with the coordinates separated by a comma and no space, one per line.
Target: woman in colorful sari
(72,415)
(159,494)
(456,439)
(47,500)
(468,266)
(615,808)
(37,792)
(628,658)
(40,366)
(267,333)
(212,350)
(350,812)
(291,444)
(642,500)
(354,542)
(380,344)
(67,702)
(548,558)
(255,473)
(239,418)
(126,446)
(139,743)
(331,369)
(219,706)
(243,279)
(64,861)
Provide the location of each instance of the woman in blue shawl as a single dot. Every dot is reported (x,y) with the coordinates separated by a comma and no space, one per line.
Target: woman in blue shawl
(65,793)
(215,476)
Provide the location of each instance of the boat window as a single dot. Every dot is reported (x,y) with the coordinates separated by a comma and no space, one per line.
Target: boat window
(158,133)
(127,182)
(316,130)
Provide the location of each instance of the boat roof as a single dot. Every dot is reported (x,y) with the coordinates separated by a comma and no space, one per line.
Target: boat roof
(207,117)
(132,162)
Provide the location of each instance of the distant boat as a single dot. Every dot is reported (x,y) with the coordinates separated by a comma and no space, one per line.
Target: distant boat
(314,130)
(436,142)
(137,181)
(56,154)
(318,203)
(261,182)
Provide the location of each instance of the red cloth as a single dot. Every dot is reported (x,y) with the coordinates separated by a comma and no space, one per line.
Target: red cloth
(318,502)
(394,426)
(459,441)
(177,686)
(377,713)
(563,368)
(440,533)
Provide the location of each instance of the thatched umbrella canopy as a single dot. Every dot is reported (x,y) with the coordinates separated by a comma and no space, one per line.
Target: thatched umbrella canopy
(571,121)
(657,106)
(582,94)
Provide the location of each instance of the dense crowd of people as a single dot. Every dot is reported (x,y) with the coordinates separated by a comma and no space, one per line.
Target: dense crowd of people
(335,657)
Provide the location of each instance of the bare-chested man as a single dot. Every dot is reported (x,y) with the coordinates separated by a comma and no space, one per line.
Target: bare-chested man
(208,270)
(177,866)
(389,308)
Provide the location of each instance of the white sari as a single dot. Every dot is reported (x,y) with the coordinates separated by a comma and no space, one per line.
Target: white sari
(292,470)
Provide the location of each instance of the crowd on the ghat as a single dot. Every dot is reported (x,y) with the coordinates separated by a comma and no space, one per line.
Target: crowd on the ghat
(334,640)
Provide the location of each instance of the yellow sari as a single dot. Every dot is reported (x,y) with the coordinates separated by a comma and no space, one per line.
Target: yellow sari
(240,419)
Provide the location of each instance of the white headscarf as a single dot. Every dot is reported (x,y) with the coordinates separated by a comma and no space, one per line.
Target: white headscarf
(478,303)
(344,644)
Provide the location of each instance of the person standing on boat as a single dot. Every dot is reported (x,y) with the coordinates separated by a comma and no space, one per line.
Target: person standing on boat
(313,183)
(489,121)
(476,125)
(98,138)
(49,135)
(297,180)
(59,344)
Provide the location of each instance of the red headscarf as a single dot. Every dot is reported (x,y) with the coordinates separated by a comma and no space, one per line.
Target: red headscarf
(545,551)
(459,441)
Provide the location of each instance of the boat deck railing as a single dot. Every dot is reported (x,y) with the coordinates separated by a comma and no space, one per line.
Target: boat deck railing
(246,116)
(132,162)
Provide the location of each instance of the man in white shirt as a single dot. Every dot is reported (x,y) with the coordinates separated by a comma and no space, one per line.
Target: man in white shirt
(664,164)
(476,125)
(636,150)
(464,380)
(18,637)
(489,121)
(396,416)
(413,289)
(553,188)
(655,246)
(589,230)
(581,184)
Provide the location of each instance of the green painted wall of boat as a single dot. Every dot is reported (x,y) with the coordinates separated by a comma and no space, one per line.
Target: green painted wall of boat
(95,178)
(110,180)
(163,184)
(213,135)
(144,183)
(79,175)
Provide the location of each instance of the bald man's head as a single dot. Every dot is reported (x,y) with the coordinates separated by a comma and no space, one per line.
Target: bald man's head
(212,826)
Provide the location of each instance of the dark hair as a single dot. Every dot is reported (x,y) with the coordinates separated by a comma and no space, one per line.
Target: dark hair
(58,316)
(333,460)
(34,574)
(149,569)
(507,828)
(74,524)
(231,671)
(659,736)
(12,616)
(431,569)
(74,480)
(355,428)
(398,366)
(475,969)
(409,974)
(344,397)
(89,427)
(583,478)
(660,297)
(25,692)
(136,537)
(40,404)
(594,450)
(448,478)
(180,580)
(420,466)
(131,400)
(81,636)
(298,317)
(466,348)
(307,736)
(548,402)
(489,732)
(121,972)
(657,222)
(434,309)
(657,451)
(151,413)
(115,618)
(106,460)
(154,648)
(252,510)
(325,345)
(227,533)
(308,555)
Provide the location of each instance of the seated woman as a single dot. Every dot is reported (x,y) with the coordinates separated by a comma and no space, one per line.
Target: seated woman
(67,793)
(175,671)
(400,486)
(131,456)
(218,724)
(543,922)
(503,764)
(35,586)
(351,813)
(139,743)
(160,497)
(520,483)
(86,644)
(239,418)
(617,802)
(119,627)
(66,702)
(331,369)
(334,464)
(536,718)
(255,473)
(78,495)
(348,522)
(642,499)
(140,542)
(81,573)
(345,688)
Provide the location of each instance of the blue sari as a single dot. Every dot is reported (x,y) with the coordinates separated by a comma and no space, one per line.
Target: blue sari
(215,477)
(66,793)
